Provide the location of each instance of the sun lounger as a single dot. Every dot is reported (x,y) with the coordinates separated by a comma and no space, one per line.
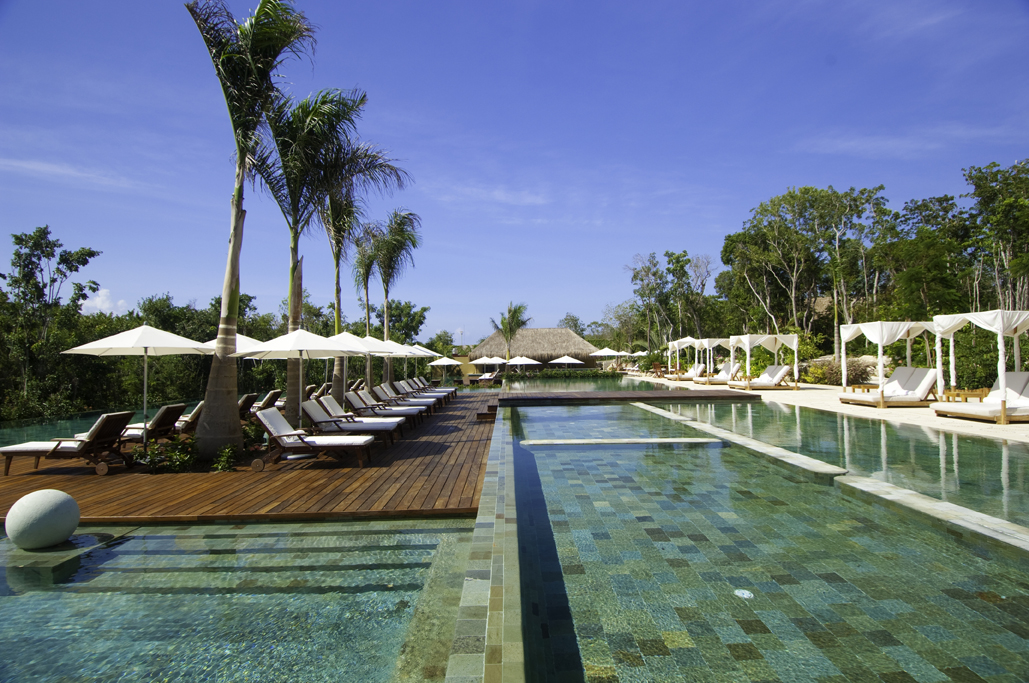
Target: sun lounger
(292,444)
(245,404)
(1017,398)
(322,390)
(696,371)
(268,401)
(348,423)
(366,406)
(421,381)
(413,391)
(386,395)
(772,378)
(161,427)
(905,388)
(723,376)
(188,424)
(334,409)
(100,446)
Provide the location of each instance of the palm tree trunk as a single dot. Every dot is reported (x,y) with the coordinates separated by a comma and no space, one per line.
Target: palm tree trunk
(387,368)
(296,296)
(367,333)
(339,379)
(219,424)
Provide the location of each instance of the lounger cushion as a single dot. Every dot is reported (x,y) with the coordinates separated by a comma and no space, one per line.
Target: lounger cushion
(31,447)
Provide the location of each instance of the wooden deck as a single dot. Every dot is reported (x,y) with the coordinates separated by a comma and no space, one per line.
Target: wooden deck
(436,469)
(541,398)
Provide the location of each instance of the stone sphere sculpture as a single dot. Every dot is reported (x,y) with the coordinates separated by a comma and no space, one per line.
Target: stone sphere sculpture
(41,519)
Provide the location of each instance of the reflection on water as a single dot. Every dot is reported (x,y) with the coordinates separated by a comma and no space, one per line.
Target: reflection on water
(987,475)
(595,384)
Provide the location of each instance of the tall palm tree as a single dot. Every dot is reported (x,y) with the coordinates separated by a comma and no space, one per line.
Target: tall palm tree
(361,167)
(394,252)
(296,164)
(245,57)
(341,217)
(365,245)
(510,323)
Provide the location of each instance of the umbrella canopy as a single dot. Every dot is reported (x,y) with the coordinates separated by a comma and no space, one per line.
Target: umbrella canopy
(444,362)
(639,353)
(377,347)
(606,352)
(243,343)
(485,360)
(143,341)
(351,340)
(302,344)
(566,360)
(522,360)
(429,352)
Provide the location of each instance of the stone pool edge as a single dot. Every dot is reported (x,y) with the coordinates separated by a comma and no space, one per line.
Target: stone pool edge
(492,585)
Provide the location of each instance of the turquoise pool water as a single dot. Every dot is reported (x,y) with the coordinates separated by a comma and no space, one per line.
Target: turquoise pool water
(673,563)
(263,602)
(592,384)
(986,475)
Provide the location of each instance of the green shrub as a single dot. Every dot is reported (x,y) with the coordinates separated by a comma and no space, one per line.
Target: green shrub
(831,373)
(225,460)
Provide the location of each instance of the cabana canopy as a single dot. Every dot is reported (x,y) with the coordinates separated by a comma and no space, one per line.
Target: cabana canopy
(772,342)
(1003,324)
(882,334)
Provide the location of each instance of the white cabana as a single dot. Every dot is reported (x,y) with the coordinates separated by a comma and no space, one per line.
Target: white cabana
(772,342)
(677,345)
(747,342)
(708,346)
(1003,324)
(882,334)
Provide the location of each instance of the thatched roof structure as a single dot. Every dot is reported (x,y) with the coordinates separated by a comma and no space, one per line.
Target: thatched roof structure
(538,343)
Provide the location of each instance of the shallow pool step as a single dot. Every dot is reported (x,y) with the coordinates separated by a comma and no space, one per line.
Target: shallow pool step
(711,443)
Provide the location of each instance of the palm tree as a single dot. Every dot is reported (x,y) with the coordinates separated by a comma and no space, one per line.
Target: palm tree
(245,57)
(511,323)
(394,252)
(296,164)
(360,167)
(365,244)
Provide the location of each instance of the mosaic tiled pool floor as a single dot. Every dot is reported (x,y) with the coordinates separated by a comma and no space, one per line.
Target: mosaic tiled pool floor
(263,602)
(673,563)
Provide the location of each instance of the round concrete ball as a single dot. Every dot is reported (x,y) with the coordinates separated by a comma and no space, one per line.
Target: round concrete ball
(41,519)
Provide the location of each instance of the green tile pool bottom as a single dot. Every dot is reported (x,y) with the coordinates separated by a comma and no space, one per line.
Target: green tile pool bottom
(653,547)
(351,601)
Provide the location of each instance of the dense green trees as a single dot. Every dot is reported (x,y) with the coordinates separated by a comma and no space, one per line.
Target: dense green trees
(811,259)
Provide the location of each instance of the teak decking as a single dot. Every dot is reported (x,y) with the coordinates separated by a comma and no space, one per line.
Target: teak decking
(437,468)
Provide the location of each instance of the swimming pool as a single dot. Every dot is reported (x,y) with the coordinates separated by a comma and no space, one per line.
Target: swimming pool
(986,475)
(347,601)
(660,562)
(621,383)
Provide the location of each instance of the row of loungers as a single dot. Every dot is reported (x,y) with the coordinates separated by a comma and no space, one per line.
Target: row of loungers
(102,446)
(338,433)
(773,377)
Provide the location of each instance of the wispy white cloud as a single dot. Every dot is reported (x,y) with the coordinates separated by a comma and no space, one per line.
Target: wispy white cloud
(905,145)
(67,173)
(101,302)
(493,195)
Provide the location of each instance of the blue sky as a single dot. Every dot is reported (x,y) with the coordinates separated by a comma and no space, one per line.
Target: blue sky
(549,141)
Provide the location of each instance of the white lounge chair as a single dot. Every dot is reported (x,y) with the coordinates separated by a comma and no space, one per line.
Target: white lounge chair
(772,378)
(100,446)
(161,427)
(989,410)
(366,406)
(428,385)
(383,427)
(723,376)
(906,388)
(386,395)
(696,371)
(413,391)
(294,444)
(188,424)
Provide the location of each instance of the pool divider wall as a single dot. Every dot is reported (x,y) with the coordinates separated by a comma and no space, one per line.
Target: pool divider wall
(813,470)
(974,529)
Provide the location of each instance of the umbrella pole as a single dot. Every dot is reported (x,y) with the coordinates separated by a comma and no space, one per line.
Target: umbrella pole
(144,398)
(300,393)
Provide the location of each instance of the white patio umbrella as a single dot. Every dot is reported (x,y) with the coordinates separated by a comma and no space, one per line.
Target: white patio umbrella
(243,343)
(428,351)
(567,360)
(522,360)
(444,362)
(302,344)
(143,341)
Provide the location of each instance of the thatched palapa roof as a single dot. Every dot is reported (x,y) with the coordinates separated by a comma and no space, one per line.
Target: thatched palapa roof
(538,343)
